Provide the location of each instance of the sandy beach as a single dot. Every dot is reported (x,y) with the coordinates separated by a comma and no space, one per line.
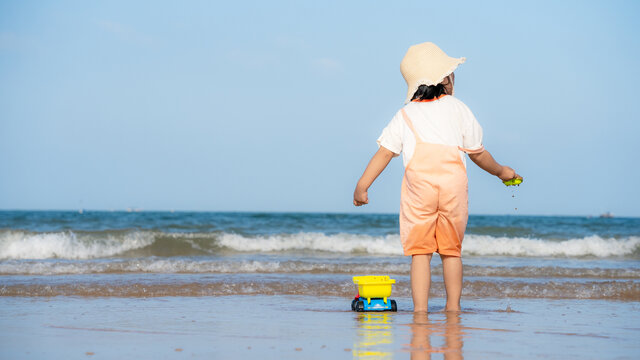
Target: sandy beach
(302,327)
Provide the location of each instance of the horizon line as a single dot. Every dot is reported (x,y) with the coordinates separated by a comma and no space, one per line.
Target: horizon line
(140,210)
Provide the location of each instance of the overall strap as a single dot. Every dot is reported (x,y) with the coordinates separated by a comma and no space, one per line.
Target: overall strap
(408,121)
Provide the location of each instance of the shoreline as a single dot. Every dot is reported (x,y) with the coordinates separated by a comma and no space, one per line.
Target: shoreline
(148,285)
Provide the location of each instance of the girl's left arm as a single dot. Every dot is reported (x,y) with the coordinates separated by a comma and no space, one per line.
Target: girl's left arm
(378,163)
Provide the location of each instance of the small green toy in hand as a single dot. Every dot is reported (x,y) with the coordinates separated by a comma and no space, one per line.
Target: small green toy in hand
(513,182)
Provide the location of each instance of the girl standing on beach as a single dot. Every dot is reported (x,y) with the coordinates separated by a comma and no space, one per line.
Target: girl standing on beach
(433,131)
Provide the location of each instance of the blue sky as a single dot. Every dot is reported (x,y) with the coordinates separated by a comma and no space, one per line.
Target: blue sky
(276,106)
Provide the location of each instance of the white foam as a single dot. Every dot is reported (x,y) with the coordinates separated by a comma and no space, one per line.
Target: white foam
(188,266)
(145,265)
(340,243)
(67,245)
(587,246)
(482,245)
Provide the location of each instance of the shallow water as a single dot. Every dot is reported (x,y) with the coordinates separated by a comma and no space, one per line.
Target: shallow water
(312,284)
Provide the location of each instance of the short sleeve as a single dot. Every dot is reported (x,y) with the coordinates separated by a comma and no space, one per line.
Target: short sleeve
(391,137)
(471,132)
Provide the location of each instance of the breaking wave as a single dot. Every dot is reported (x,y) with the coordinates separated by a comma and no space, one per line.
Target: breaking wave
(68,245)
(107,244)
(587,246)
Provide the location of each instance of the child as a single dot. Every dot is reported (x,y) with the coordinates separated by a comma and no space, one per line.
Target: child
(433,131)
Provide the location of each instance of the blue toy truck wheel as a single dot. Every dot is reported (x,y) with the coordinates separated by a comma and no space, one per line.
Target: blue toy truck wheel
(374,304)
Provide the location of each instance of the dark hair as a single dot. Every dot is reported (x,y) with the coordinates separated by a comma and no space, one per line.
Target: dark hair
(425,92)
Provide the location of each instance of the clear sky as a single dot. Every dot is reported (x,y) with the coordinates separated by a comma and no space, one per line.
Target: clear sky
(276,106)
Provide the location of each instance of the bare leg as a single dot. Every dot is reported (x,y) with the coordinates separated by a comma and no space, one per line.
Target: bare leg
(420,281)
(452,273)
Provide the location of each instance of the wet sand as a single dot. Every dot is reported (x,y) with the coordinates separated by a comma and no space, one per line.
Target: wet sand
(304,327)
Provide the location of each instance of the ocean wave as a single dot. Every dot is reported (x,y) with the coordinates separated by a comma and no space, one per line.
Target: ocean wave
(588,246)
(483,245)
(68,245)
(339,243)
(138,243)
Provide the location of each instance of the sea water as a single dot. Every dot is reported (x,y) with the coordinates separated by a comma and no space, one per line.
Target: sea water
(151,254)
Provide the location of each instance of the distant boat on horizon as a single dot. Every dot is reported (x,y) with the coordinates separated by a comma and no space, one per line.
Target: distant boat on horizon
(606,215)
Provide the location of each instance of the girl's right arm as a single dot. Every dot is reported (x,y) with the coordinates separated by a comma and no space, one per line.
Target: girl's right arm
(378,162)
(487,163)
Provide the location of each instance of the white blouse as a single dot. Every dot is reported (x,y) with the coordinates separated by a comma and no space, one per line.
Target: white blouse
(446,121)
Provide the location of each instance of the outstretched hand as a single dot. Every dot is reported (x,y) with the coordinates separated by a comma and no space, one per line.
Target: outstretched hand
(508,173)
(487,163)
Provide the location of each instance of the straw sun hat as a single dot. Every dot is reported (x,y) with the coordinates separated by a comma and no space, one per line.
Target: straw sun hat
(426,64)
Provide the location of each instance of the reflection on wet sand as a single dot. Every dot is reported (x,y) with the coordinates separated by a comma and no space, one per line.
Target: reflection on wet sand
(374,336)
(422,330)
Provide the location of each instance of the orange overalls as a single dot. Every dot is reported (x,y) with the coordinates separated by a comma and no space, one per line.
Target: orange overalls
(434,199)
